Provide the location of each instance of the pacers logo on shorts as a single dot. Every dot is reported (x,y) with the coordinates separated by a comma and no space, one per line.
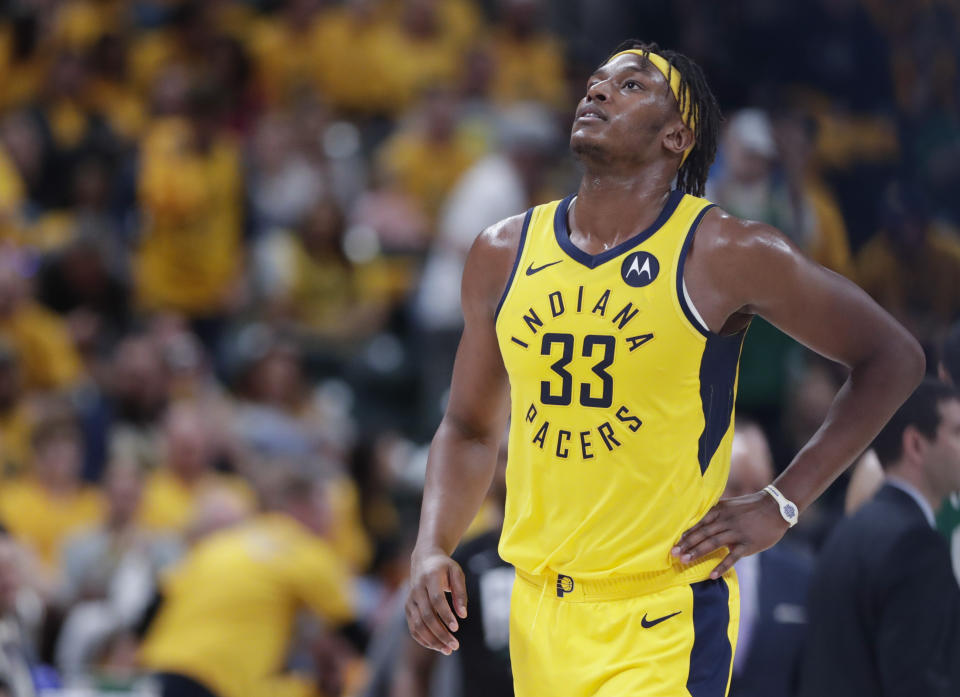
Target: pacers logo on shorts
(564,585)
(639,269)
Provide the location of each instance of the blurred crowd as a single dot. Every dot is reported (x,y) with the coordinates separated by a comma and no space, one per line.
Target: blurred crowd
(231,239)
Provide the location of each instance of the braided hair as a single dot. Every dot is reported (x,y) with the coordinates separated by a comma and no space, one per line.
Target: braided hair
(692,175)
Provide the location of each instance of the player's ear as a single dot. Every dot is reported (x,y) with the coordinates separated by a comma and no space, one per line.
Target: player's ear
(678,137)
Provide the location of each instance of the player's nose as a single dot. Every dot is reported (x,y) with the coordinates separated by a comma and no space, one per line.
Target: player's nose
(598,91)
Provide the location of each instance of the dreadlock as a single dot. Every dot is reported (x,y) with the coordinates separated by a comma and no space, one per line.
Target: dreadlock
(692,175)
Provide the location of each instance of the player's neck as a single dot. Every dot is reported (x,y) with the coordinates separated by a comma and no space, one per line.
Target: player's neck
(611,208)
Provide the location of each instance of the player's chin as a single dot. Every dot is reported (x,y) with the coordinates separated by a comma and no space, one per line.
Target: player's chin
(587,145)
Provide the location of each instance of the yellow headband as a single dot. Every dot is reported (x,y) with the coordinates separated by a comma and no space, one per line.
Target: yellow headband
(673,76)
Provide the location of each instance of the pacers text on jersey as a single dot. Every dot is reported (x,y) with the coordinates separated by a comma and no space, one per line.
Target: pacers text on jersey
(561,388)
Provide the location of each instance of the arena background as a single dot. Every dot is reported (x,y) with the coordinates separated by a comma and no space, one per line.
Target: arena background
(231,235)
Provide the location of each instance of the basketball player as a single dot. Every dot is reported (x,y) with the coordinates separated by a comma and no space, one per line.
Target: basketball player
(614,319)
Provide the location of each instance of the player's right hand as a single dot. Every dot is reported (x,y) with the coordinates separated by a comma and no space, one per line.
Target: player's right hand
(429,617)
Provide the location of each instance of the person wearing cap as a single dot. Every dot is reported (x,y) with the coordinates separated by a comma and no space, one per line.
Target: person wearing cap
(744,184)
(608,326)
(768,175)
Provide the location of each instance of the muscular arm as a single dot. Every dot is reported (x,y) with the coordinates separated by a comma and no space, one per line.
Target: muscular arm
(739,269)
(463,454)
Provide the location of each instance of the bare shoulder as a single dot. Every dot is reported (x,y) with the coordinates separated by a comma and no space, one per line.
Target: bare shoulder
(731,238)
(732,263)
(500,240)
(490,262)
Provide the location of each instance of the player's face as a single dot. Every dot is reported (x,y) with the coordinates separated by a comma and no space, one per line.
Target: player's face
(623,114)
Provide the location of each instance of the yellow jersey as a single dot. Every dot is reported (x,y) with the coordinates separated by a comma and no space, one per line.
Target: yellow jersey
(621,400)
(229,606)
(191,251)
(44,521)
(170,504)
(48,357)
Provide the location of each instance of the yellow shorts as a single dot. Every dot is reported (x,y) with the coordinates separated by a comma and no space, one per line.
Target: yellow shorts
(583,639)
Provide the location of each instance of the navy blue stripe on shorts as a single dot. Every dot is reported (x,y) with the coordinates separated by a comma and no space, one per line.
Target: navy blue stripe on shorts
(712,653)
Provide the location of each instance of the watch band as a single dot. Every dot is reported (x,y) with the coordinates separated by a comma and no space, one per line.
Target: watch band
(788,509)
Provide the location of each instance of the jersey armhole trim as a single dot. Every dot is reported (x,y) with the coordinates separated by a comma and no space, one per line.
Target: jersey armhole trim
(693,308)
(683,297)
(516,262)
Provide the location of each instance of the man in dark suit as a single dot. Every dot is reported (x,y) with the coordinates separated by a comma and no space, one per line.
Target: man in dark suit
(884,604)
(773,587)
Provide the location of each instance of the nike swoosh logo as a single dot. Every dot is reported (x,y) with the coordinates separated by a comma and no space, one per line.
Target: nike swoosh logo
(653,623)
(531,270)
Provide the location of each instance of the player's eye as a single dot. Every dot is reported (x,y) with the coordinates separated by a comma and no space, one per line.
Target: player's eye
(631,84)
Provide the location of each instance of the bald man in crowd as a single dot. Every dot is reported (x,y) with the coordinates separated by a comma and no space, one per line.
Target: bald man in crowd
(773,587)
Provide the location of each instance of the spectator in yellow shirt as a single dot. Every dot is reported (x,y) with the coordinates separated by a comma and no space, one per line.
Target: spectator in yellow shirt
(24,57)
(44,508)
(461,20)
(16,417)
(427,159)
(39,337)
(421,50)
(353,33)
(186,475)
(228,608)
(283,46)
(308,279)
(528,63)
(13,194)
(184,43)
(393,50)
(110,89)
(78,24)
(912,267)
(190,189)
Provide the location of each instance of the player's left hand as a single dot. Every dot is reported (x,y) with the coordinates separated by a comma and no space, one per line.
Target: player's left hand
(744,525)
